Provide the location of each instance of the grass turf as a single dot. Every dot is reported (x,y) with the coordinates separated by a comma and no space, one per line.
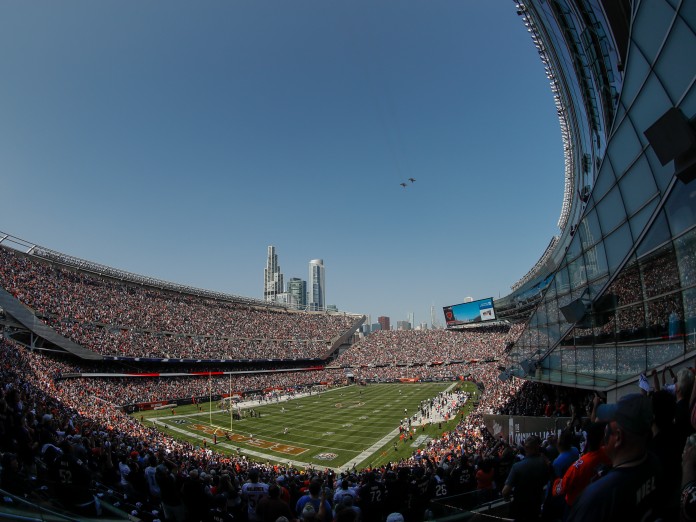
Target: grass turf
(337,428)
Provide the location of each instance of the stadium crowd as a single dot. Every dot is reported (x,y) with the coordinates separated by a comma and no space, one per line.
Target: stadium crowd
(385,347)
(56,424)
(125,319)
(46,425)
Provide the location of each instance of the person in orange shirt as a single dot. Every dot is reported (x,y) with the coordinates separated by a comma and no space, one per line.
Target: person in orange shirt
(580,474)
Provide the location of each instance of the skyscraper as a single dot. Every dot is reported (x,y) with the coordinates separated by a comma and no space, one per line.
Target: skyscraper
(316,293)
(272,277)
(297,289)
(384,322)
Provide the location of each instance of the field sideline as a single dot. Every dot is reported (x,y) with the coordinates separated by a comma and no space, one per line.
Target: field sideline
(336,428)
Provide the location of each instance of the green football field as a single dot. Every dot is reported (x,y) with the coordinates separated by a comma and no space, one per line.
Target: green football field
(337,428)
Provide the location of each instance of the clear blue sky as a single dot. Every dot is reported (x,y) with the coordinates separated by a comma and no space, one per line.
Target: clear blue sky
(179,139)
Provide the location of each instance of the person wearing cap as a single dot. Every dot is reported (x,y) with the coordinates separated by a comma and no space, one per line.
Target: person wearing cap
(527,479)
(314,498)
(633,488)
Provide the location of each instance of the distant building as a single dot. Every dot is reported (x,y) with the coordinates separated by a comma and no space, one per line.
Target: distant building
(376,327)
(297,288)
(331,308)
(403,325)
(316,292)
(384,323)
(272,277)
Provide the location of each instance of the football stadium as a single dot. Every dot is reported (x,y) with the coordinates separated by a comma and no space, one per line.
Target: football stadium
(126,397)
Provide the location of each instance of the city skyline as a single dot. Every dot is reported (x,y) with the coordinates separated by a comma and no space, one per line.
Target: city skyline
(181,153)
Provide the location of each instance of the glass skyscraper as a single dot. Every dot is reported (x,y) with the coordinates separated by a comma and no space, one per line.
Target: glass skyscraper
(316,297)
(614,295)
(297,289)
(272,277)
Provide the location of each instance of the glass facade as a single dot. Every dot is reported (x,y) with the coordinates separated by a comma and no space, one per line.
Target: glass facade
(629,257)
(316,291)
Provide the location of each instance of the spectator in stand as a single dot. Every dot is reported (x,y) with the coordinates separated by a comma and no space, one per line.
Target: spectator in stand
(252,492)
(272,507)
(633,489)
(314,499)
(581,473)
(527,480)
(554,506)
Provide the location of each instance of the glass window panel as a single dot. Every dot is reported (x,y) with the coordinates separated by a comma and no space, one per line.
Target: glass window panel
(563,301)
(620,109)
(685,248)
(631,361)
(524,341)
(624,148)
(639,220)
(574,248)
(568,362)
(688,104)
(650,26)
(627,286)
(611,211)
(596,286)
(605,180)
(606,333)
(688,12)
(541,314)
(582,336)
(594,230)
(637,186)
(640,69)
(554,335)
(605,363)
(552,310)
(681,207)
(660,272)
(663,174)
(664,318)
(673,63)
(617,246)
(660,354)
(554,361)
(651,104)
(578,277)
(589,229)
(596,262)
(562,281)
(658,234)
(630,324)
(585,361)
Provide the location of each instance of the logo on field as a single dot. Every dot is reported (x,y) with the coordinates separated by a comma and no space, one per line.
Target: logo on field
(180,421)
(325,456)
(348,425)
(362,418)
(327,433)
